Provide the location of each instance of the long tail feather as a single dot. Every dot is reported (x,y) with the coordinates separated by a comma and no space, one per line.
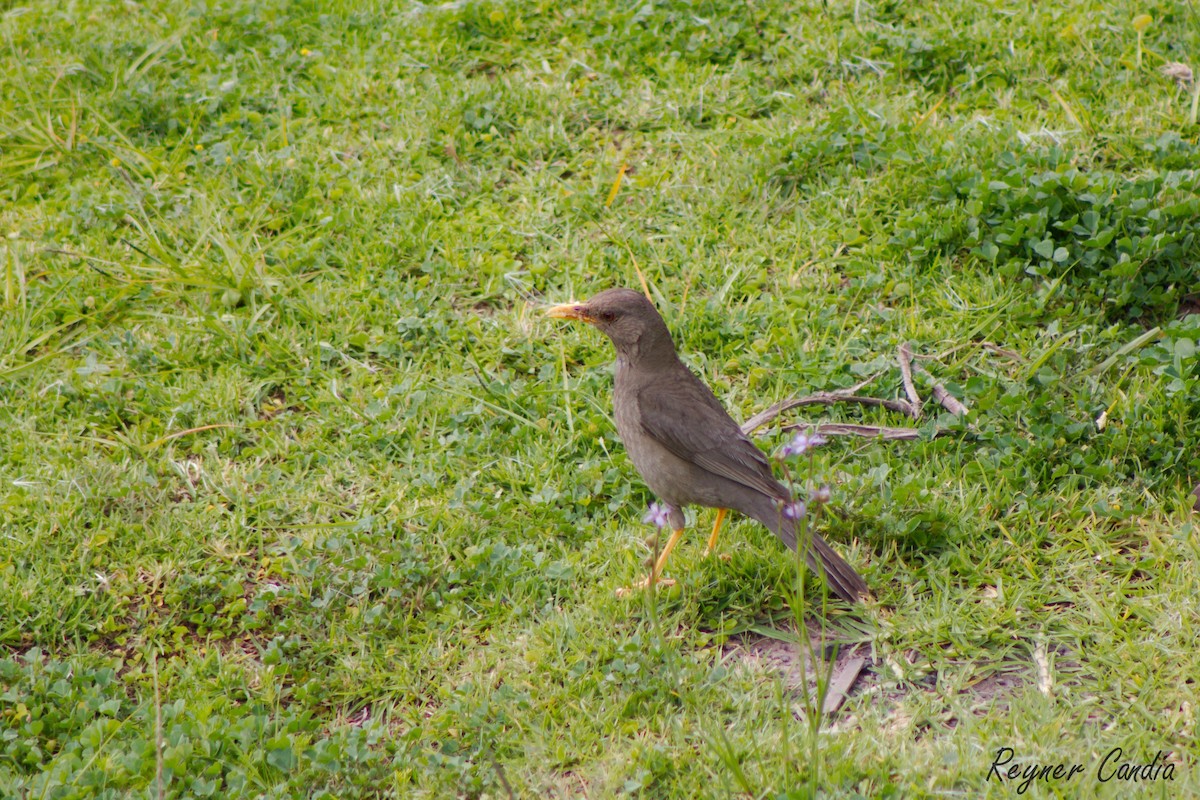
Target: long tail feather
(843,579)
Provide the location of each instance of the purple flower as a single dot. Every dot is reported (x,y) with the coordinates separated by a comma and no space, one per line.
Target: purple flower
(659,515)
(794,510)
(802,442)
(822,495)
(796,446)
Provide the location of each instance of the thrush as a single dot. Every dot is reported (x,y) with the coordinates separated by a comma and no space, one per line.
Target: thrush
(686,447)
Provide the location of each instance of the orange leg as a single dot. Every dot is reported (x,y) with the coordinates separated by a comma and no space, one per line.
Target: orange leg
(712,540)
(662,558)
(653,578)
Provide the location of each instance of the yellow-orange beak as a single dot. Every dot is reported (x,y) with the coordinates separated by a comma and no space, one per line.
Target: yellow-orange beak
(577,311)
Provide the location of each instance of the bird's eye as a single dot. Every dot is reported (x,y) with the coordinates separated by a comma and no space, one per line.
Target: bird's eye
(607,316)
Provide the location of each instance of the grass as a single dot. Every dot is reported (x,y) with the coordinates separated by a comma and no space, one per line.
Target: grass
(302,496)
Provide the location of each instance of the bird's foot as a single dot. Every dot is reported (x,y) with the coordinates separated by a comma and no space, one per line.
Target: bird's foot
(708,551)
(627,591)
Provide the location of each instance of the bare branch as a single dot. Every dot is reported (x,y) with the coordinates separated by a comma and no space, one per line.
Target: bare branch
(905,357)
(865,431)
(947,400)
(821,399)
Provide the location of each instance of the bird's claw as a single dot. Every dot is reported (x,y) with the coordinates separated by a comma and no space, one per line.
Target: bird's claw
(626,591)
(708,551)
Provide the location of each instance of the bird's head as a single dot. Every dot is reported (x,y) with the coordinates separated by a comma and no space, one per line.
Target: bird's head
(626,317)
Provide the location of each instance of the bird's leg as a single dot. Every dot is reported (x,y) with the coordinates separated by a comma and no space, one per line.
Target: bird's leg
(662,559)
(653,578)
(712,540)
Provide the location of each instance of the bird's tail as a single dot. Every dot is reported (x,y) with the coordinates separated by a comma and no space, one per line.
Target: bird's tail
(843,579)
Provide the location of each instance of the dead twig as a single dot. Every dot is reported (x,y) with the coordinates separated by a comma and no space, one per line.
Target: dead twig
(865,431)
(905,357)
(842,683)
(947,400)
(821,398)
(910,407)
(1000,351)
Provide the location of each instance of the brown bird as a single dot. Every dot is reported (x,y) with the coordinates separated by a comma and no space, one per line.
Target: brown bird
(687,449)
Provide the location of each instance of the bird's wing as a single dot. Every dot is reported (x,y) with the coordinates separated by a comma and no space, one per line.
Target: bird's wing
(685,417)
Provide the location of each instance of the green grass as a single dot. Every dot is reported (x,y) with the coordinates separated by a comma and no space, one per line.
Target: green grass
(298,483)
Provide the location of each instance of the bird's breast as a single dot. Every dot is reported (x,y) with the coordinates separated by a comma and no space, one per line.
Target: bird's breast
(673,479)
